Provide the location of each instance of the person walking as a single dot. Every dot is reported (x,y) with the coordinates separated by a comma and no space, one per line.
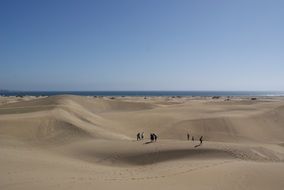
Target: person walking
(188,136)
(138,136)
(201,139)
(155,137)
(152,137)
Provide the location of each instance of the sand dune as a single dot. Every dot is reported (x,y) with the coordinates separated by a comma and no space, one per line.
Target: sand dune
(72,142)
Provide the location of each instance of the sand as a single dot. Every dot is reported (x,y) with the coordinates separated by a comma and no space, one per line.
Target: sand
(74,142)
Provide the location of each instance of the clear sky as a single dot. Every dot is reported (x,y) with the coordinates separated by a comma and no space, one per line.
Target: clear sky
(142,45)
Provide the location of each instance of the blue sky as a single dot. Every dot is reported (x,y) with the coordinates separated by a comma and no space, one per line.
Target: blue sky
(142,45)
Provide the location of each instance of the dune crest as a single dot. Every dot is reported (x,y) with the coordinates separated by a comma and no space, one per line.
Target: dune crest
(70,142)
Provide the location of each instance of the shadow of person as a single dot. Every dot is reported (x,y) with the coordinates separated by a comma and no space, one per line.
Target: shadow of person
(148,142)
(197,145)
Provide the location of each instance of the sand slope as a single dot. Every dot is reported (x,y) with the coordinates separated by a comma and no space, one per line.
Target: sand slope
(73,142)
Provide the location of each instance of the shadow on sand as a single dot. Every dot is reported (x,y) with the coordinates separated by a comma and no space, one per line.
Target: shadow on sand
(148,142)
(197,145)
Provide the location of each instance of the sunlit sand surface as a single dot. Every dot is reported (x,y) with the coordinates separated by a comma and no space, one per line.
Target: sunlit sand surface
(74,142)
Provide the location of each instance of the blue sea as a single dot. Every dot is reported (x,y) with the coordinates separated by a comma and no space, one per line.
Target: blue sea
(144,93)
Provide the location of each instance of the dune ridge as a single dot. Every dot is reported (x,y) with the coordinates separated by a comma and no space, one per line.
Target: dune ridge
(66,142)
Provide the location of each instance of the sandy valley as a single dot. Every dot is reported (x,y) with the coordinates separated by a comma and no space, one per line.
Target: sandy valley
(76,142)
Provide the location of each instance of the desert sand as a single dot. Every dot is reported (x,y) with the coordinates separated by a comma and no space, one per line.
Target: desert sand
(74,142)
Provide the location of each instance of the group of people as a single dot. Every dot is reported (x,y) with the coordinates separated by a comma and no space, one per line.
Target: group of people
(192,138)
(153,137)
(140,136)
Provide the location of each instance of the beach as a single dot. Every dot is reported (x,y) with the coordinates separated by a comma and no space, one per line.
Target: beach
(89,142)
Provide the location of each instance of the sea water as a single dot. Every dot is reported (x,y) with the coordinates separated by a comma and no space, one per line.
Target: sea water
(143,93)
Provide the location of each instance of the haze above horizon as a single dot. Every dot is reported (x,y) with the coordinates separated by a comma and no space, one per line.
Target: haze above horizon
(86,45)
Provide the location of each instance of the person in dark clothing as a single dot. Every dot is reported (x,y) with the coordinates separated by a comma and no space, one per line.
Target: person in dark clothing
(152,137)
(142,135)
(188,136)
(192,138)
(138,136)
(155,137)
(201,139)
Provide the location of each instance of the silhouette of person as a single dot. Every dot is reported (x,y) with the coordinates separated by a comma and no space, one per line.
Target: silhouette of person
(201,139)
(188,136)
(192,138)
(155,137)
(142,135)
(138,136)
(152,138)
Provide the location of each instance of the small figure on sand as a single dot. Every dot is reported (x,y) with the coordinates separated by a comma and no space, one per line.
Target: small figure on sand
(153,137)
(188,136)
(192,138)
(138,136)
(142,135)
(201,140)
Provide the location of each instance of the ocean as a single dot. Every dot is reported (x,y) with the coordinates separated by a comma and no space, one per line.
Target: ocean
(143,93)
